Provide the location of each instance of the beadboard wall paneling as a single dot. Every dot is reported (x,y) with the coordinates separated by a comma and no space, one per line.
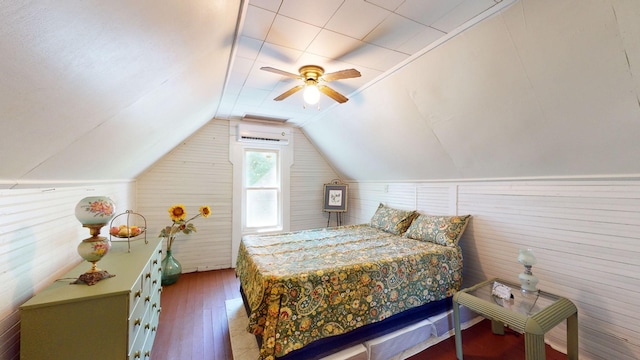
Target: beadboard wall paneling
(585,234)
(434,199)
(195,173)
(309,173)
(39,234)
(367,197)
(199,172)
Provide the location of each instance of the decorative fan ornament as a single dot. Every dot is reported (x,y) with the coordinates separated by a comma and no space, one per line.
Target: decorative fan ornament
(312,75)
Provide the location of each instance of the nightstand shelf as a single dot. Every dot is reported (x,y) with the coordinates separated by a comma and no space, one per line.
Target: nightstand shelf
(531,314)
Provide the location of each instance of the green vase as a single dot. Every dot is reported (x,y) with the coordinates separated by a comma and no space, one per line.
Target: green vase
(171,269)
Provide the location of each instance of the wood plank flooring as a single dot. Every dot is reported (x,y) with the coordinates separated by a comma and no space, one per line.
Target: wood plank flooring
(193,325)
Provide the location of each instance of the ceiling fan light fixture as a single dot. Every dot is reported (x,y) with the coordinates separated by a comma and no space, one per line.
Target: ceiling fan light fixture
(311,94)
(311,75)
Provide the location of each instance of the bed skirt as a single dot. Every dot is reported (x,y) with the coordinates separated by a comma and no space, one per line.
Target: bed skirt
(327,346)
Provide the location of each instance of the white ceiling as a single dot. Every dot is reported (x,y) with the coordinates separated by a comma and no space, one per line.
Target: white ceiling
(94,90)
(372,36)
(100,90)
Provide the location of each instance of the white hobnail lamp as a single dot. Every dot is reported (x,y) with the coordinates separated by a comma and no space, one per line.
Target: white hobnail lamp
(528,282)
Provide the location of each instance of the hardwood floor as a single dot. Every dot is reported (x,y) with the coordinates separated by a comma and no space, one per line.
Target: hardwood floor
(193,321)
(193,325)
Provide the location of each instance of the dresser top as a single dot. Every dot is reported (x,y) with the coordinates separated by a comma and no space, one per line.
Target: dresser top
(126,266)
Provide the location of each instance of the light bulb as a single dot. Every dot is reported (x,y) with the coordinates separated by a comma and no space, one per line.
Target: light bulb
(311,94)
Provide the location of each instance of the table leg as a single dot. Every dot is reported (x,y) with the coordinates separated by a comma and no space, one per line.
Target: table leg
(497,327)
(458,333)
(534,347)
(572,337)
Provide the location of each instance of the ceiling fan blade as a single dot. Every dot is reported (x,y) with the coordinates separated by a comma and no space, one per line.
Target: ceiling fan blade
(280,72)
(288,93)
(332,94)
(342,74)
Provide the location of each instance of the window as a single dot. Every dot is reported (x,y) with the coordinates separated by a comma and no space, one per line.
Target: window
(262,190)
(261,184)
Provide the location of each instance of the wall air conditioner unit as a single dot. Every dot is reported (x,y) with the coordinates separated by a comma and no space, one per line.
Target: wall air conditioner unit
(251,133)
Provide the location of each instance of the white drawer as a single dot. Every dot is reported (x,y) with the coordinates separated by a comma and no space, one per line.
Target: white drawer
(136,352)
(136,321)
(142,337)
(136,294)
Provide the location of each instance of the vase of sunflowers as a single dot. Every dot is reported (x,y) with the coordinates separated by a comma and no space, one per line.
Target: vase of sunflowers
(171,267)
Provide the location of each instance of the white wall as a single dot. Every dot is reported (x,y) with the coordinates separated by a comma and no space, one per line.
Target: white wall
(585,234)
(199,172)
(39,236)
(195,173)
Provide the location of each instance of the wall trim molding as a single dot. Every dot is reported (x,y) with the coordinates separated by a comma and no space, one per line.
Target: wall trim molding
(623,177)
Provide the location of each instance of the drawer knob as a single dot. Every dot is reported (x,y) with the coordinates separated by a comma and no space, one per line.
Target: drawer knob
(136,355)
(147,275)
(155,261)
(147,299)
(137,322)
(147,354)
(138,293)
(147,326)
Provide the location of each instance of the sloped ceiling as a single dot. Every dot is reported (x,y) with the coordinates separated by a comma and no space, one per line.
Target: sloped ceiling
(544,89)
(99,91)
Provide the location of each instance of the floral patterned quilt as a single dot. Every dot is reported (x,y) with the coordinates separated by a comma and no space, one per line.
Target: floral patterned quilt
(306,285)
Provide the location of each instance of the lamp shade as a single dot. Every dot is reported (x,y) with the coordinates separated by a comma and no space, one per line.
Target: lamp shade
(526,257)
(94,210)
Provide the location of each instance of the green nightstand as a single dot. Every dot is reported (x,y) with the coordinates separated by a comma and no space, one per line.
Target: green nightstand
(532,315)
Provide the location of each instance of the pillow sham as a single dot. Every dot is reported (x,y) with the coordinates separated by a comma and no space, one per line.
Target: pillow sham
(442,230)
(394,221)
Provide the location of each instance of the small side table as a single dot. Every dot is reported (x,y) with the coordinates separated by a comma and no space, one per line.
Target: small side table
(534,315)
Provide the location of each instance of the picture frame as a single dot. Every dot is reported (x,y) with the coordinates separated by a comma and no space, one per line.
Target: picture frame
(335,197)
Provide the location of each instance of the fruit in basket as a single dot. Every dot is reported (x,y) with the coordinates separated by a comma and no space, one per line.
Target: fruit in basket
(125,231)
(135,231)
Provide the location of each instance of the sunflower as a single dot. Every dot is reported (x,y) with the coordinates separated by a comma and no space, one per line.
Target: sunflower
(205,211)
(177,212)
(178,215)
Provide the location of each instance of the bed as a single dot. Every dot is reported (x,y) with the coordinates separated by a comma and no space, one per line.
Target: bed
(309,289)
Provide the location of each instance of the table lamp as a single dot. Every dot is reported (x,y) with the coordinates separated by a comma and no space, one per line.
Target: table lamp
(94,212)
(527,280)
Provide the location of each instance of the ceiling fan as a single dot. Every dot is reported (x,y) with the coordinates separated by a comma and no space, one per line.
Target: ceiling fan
(312,75)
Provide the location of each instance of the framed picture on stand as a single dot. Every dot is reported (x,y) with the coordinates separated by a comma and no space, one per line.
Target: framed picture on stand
(335,197)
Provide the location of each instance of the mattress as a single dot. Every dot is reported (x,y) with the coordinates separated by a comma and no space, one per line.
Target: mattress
(315,284)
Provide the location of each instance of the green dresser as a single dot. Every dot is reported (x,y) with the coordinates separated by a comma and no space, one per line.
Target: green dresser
(117,318)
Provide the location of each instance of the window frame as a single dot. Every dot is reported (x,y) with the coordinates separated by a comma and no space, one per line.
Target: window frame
(236,153)
(245,189)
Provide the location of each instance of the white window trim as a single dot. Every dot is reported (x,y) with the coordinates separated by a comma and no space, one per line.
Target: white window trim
(236,157)
(280,221)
